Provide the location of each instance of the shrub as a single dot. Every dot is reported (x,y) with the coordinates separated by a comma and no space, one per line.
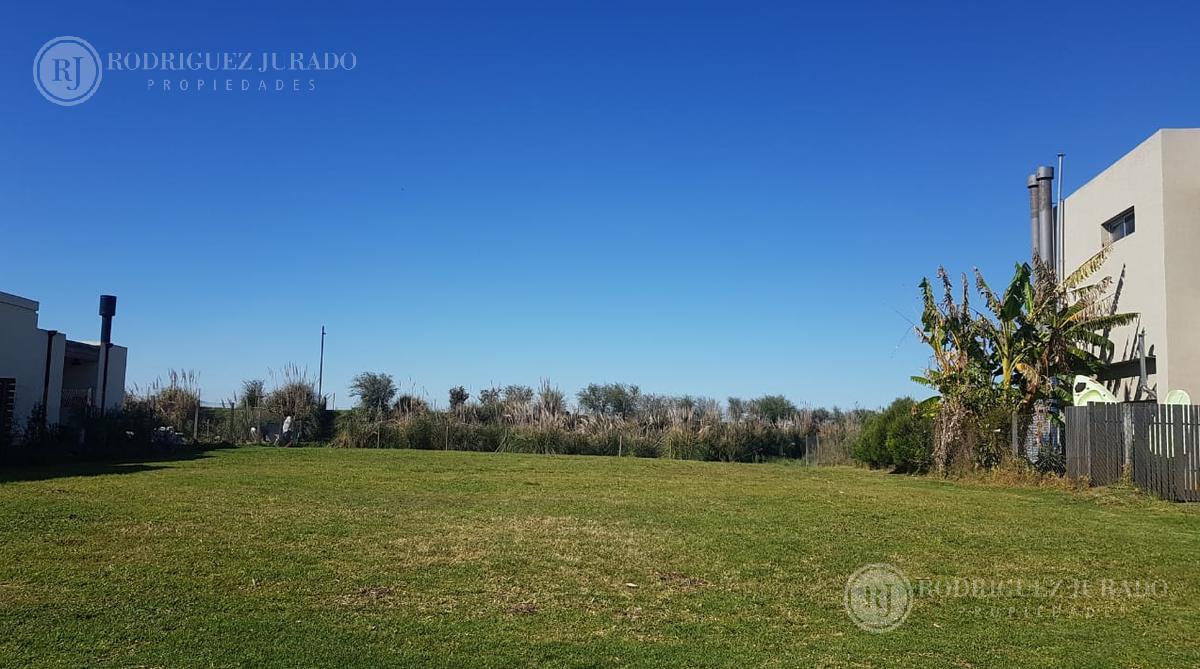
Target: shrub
(295,396)
(609,399)
(682,443)
(643,447)
(253,391)
(423,431)
(772,408)
(550,401)
(871,447)
(409,404)
(901,437)
(458,397)
(620,421)
(172,405)
(993,440)
(125,433)
(374,390)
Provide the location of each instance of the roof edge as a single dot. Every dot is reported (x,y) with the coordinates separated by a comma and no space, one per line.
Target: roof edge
(18,301)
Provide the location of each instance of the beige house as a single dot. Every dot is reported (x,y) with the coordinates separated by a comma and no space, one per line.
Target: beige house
(42,368)
(1147,206)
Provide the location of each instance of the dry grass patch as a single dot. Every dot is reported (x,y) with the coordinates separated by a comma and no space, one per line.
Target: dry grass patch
(364,597)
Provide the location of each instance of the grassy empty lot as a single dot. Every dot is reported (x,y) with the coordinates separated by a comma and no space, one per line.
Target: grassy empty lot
(260,557)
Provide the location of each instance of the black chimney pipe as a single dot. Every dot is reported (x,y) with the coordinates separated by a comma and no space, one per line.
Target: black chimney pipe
(50,335)
(108,309)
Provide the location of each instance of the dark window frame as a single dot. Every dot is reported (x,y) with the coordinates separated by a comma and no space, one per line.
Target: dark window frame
(1119,227)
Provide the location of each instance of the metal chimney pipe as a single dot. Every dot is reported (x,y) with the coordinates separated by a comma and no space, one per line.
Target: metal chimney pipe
(108,309)
(1045,186)
(1032,184)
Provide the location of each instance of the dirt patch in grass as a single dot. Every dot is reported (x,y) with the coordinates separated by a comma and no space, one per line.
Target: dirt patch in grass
(372,596)
(522,609)
(674,579)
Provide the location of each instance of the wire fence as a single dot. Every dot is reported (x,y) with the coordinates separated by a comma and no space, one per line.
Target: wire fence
(230,423)
(1038,437)
(818,451)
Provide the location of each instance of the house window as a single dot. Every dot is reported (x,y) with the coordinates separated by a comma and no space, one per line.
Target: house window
(1118,228)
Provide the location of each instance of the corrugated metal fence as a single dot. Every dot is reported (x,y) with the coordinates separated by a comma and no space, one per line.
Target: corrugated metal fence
(1159,443)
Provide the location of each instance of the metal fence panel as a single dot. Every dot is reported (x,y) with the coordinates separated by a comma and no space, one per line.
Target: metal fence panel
(1159,443)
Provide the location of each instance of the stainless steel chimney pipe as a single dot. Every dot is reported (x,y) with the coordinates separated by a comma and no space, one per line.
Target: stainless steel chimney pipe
(1045,226)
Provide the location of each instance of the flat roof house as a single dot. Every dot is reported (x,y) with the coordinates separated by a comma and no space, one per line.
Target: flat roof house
(1147,207)
(43,368)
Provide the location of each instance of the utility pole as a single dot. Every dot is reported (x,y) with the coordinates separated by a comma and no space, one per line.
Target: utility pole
(1060,237)
(321,369)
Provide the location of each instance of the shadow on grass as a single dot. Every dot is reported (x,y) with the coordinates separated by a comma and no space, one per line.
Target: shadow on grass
(132,464)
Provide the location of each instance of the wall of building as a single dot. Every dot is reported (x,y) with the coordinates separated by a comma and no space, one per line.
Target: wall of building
(1136,262)
(115,397)
(54,404)
(80,375)
(23,355)
(1181,203)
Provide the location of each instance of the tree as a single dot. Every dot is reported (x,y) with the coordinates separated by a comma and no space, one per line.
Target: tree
(550,401)
(295,396)
(410,404)
(1067,322)
(1041,331)
(610,399)
(491,406)
(175,404)
(1019,356)
(489,396)
(899,437)
(772,408)
(253,392)
(737,408)
(458,397)
(961,370)
(518,396)
(1008,341)
(374,390)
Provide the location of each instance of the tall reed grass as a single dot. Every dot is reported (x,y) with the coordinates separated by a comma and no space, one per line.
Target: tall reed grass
(511,420)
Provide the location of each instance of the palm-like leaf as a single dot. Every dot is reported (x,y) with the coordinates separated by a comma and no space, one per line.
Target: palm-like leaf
(1088,268)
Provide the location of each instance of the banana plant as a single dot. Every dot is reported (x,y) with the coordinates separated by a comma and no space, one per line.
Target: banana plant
(1009,355)
(957,342)
(1066,324)
(1007,335)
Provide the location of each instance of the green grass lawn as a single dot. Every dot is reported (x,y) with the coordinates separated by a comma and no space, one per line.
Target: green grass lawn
(261,557)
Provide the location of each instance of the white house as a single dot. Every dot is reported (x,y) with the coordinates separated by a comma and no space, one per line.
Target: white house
(1146,206)
(43,368)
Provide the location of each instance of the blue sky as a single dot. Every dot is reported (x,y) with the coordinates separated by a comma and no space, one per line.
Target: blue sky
(707,198)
